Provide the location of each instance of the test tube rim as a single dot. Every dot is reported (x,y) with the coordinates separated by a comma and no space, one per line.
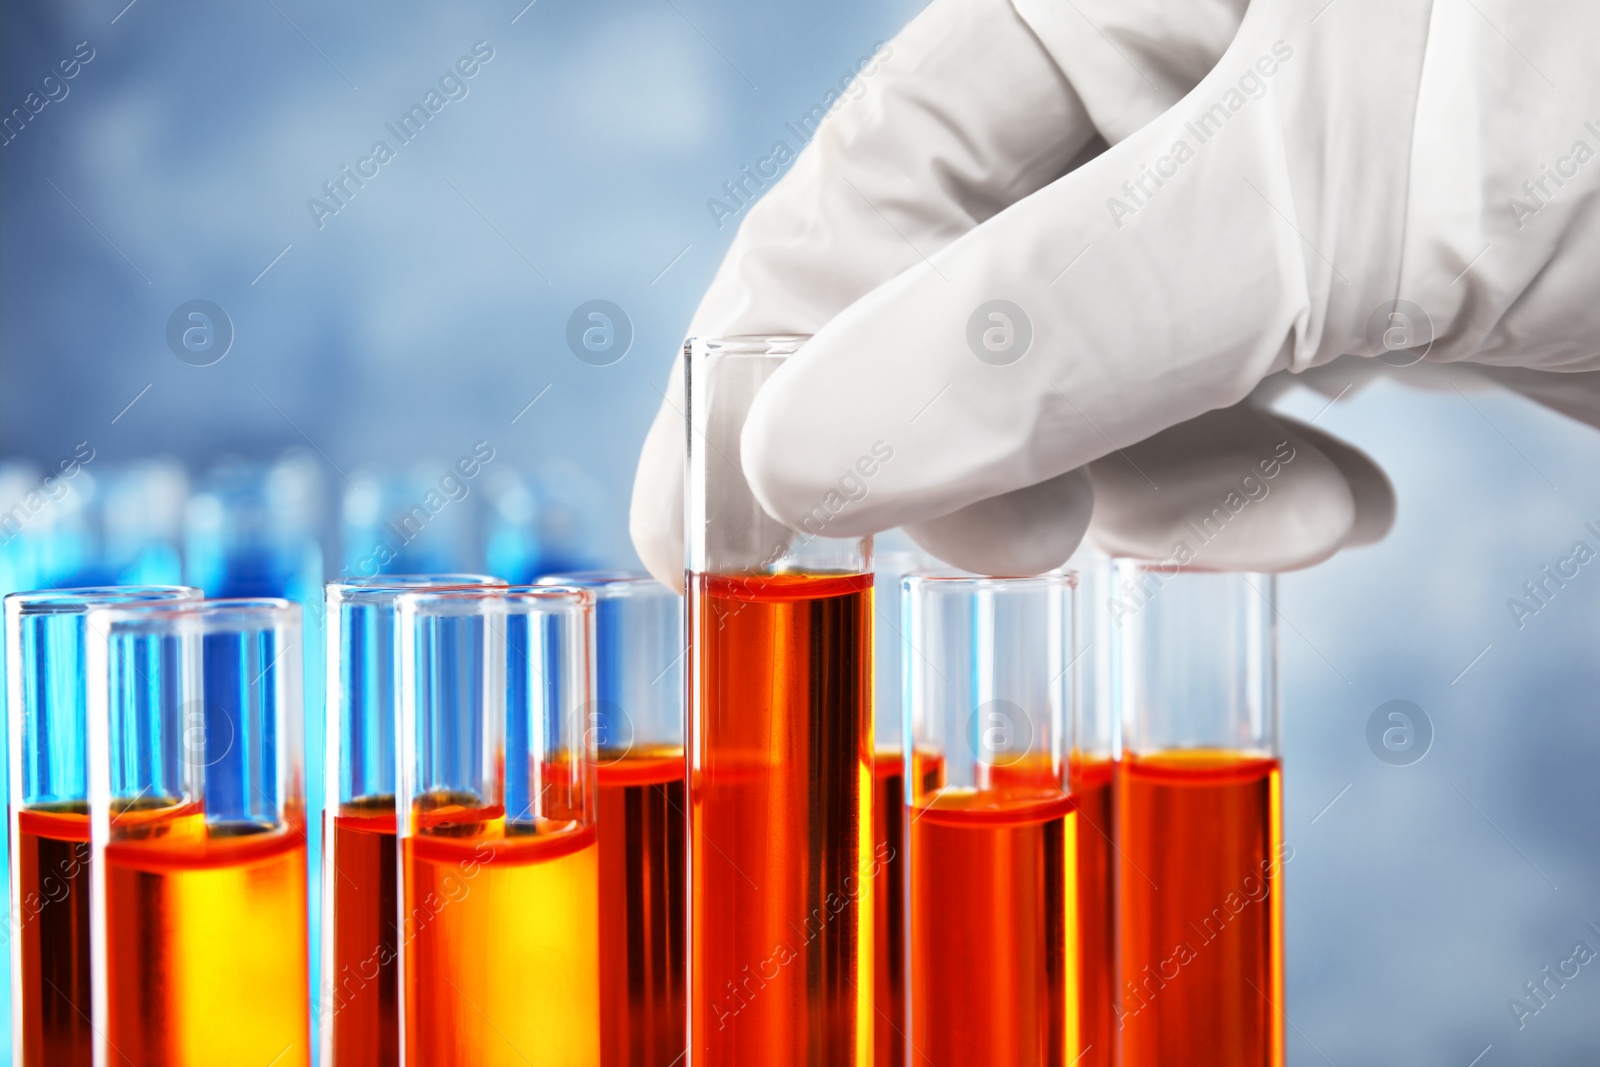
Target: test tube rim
(1172,569)
(87,598)
(606,584)
(221,615)
(420,581)
(942,581)
(776,345)
(465,599)
(382,590)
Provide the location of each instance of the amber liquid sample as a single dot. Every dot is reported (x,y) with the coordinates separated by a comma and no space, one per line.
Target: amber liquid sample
(52,896)
(206,956)
(993,935)
(641,828)
(502,945)
(889,896)
(1092,787)
(364,1019)
(888,909)
(781,916)
(1200,909)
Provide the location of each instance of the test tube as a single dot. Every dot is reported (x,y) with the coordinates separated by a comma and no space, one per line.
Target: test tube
(360,942)
(499,888)
(888,803)
(46,634)
(780,752)
(637,725)
(1199,816)
(197,821)
(993,831)
(1091,775)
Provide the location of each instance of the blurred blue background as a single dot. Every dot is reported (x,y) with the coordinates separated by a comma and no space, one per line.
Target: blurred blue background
(374,350)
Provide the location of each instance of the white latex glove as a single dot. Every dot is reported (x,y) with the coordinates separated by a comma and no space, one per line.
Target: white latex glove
(1340,155)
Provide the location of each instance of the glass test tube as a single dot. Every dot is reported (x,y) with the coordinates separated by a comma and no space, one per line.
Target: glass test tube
(197,819)
(888,803)
(499,890)
(1199,817)
(360,942)
(1091,775)
(994,924)
(637,724)
(45,634)
(780,752)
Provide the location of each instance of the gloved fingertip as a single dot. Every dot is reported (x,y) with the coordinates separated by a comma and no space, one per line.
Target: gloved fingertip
(1370,489)
(780,450)
(1234,489)
(659,551)
(655,514)
(1018,534)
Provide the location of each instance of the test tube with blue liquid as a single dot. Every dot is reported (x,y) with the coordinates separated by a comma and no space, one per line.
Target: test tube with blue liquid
(360,997)
(46,635)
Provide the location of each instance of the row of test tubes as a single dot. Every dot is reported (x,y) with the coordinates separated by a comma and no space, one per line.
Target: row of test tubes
(587,822)
(1069,853)
(1007,863)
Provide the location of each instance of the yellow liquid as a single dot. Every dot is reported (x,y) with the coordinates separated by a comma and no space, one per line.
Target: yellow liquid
(502,965)
(206,949)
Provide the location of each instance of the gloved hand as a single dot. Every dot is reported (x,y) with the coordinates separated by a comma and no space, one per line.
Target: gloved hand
(1339,157)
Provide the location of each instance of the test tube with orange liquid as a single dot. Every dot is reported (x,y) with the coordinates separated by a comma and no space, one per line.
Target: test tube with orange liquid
(499,867)
(47,695)
(1091,774)
(637,728)
(780,752)
(360,994)
(1199,818)
(197,820)
(993,831)
(889,889)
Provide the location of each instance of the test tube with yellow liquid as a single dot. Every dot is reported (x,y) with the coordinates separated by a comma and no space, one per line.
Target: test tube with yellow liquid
(499,863)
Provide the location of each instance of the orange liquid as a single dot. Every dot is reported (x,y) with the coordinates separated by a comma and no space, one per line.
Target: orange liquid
(53,998)
(888,910)
(781,916)
(364,1024)
(993,928)
(889,897)
(206,957)
(641,827)
(501,945)
(1091,782)
(1200,909)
